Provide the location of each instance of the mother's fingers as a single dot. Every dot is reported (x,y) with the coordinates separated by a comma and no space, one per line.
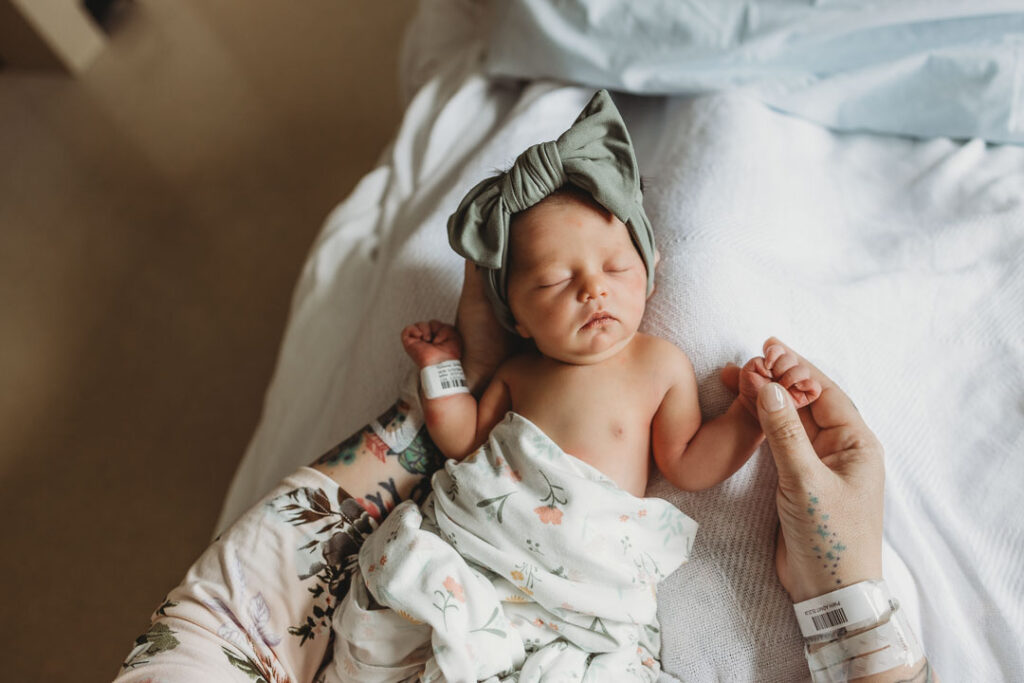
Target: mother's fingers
(795,457)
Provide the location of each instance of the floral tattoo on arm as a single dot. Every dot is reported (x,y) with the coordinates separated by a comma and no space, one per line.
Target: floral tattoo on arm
(397,435)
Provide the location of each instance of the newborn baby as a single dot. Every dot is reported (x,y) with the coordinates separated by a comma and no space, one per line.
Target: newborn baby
(604,392)
(535,556)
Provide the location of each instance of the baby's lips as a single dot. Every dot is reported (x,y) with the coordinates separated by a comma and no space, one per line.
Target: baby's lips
(598,315)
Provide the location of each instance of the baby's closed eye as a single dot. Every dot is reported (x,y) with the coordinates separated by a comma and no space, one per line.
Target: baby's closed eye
(553,281)
(620,267)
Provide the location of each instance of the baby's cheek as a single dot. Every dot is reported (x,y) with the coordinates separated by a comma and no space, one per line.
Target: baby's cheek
(638,298)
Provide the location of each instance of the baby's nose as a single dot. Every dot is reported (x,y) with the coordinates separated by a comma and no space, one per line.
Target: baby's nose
(593,287)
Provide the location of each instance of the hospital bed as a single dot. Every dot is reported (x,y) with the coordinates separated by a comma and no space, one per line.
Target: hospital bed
(845,176)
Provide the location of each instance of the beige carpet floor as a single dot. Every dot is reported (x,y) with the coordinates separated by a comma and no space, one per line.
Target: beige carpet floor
(154,214)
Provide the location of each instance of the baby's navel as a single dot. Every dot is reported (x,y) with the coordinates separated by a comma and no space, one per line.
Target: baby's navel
(618,431)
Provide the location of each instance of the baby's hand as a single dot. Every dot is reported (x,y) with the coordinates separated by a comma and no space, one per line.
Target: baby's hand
(780,366)
(430,343)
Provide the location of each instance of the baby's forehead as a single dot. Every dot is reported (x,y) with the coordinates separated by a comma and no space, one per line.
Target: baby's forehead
(567,200)
(544,233)
(536,245)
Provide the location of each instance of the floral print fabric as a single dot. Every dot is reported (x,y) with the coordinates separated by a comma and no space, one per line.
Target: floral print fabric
(258,604)
(524,563)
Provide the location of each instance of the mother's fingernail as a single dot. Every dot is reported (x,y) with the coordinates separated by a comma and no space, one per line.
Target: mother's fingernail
(773,398)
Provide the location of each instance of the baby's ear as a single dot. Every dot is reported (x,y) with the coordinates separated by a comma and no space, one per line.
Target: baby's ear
(523,332)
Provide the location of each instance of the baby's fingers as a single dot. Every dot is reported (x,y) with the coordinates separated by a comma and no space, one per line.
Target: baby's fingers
(789,371)
(440,332)
(797,381)
(426,331)
(792,375)
(757,365)
(416,332)
(749,381)
(410,333)
(772,353)
(805,392)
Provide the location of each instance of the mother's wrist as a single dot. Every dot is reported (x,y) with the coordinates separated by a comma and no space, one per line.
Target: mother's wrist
(838,565)
(853,607)
(856,632)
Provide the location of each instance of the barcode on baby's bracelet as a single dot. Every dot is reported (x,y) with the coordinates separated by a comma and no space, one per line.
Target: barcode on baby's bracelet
(836,617)
(443,379)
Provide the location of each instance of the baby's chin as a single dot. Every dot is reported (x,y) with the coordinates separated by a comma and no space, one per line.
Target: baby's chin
(594,350)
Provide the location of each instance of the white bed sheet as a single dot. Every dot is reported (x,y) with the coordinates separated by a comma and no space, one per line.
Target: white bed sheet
(894,264)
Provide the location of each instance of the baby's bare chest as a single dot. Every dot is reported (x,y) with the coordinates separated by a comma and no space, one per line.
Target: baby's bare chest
(601,416)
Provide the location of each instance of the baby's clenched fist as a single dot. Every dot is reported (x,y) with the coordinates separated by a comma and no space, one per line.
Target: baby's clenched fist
(430,343)
(782,367)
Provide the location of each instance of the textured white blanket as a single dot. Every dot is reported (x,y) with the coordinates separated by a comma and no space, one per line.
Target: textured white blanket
(893,264)
(896,266)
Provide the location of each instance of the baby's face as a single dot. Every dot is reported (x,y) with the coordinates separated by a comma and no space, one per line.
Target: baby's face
(576,285)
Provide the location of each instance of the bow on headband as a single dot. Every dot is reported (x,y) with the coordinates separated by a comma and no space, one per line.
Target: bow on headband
(595,154)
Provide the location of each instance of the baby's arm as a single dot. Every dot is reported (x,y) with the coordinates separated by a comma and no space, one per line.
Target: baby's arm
(720,447)
(457,423)
(694,456)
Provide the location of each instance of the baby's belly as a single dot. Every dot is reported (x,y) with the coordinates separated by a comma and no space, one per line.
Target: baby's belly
(628,469)
(617,447)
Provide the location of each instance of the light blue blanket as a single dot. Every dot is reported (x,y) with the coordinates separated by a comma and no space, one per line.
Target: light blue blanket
(924,68)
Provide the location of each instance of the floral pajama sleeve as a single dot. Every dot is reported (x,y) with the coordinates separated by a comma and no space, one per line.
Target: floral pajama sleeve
(257,604)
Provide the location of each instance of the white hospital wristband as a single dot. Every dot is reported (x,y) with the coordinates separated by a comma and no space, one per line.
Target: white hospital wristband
(889,645)
(443,379)
(853,607)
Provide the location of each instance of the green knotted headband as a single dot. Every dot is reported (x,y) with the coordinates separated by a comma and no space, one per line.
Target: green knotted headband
(595,154)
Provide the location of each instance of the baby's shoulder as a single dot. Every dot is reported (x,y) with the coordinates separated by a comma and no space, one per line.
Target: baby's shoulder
(659,351)
(667,367)
(663,362)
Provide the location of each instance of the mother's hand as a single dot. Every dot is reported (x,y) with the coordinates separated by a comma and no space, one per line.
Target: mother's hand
(485,342)
(829,497)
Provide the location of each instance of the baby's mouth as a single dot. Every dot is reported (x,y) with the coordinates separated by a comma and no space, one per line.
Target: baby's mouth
(599,319)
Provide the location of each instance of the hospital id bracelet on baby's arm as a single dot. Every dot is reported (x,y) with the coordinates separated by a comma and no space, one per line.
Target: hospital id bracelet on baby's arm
(856,631)
(443,379)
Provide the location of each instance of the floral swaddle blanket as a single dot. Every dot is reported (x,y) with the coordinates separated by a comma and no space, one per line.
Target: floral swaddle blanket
(524,563)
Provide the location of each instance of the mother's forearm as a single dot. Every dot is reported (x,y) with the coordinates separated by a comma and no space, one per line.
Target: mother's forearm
(387,461)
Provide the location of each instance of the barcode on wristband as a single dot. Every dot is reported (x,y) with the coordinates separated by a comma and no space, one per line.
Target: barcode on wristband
(850,607)
(443,379)
(831,619)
